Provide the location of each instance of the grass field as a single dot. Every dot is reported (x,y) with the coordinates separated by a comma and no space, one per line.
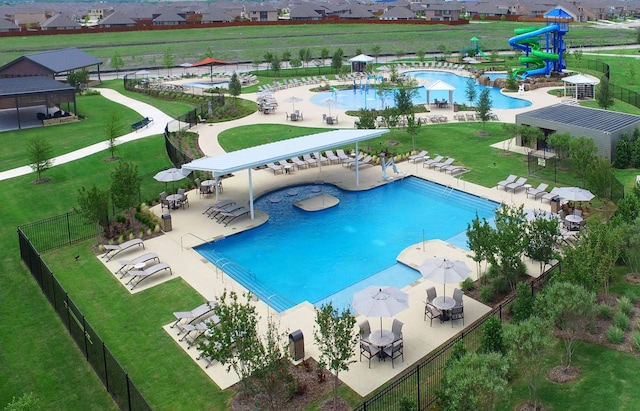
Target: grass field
(38,356)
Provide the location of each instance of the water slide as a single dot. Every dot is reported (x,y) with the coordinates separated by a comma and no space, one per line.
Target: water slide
(527,40)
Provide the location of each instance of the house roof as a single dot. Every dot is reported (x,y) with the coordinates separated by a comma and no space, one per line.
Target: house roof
(117,19)
(59,21)
(21,86)
(59,61)
(590,118)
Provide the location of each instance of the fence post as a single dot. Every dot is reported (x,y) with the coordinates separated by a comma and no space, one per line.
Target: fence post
(84,331)
(106,370)
(418,384)
(128,391)
(68,228)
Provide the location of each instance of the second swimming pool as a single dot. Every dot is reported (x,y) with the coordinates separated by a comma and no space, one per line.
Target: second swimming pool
(309,256)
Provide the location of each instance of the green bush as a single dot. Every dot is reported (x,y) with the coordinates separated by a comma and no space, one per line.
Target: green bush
(523,305)
(467,285)
(492,340)
(631,295)
(615,335)
(486,293)
(604,311)
(500,285)
(625,306)
(636,340)
(621,321)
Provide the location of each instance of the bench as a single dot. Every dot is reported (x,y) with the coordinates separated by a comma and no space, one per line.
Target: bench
(142,123)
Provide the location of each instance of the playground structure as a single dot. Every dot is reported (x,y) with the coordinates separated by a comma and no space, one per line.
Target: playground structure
(475,45)
(547,58)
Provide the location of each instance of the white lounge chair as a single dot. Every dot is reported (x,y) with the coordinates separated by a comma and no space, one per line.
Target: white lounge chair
(342,155)
(299,163)
(443,164)
(436,159)
(140,275)
(515,185)
(310,160)
(113,249)
(550,195)
(317,155)
(332,157)
(361,162)
(130,264)
(418,157)
(537,191)
(276,169)
(508,180)
(186,317)
(228,217)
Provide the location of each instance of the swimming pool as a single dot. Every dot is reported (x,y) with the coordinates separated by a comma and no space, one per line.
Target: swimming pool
(367,98)
(208,84)
(311,256)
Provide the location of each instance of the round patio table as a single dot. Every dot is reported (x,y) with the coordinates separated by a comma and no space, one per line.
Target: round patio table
(444,304)
(380,339)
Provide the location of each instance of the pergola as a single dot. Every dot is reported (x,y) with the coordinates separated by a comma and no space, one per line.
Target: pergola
(359,62)
(440,85)
(580,86)
(251,157)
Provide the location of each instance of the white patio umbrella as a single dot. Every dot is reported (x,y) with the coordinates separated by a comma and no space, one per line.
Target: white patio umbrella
(329,103)
(444,271)
(171,174)
(380,301)
(574,194)
(531,214)
(293,100)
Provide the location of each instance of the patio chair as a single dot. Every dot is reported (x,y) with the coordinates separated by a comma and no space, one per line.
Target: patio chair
(299,163)
(361,162)
(365,330)
(331,156)
(442,164)
(342,155)
(114,249)
(456,313)
(186,317)
(310,160)
(163,201)
(198,187)
(369,351)
(431,312)
(436,159)
(550,195)
(193,331)
(418,157)
(396,329)
(431,294)
(184,201)
(127,265)
(318,155)
(228,217)
(458,295)
(537,191)
(508,180)
(140,275)
(228,209)
(217,205)
(275,168)
(394,351)
(515,185)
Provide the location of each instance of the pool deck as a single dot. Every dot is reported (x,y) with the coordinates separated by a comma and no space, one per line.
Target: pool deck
(191,228)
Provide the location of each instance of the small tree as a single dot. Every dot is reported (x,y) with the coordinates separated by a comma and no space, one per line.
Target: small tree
(492,340)
(483,108)
(529,342)
(275,64)
(168,60)
(604,96)
(542,235)
(78,79)
(113,129)
(420,55)
(336,338)
(235,88)
(116,62)
(295,63)
(376,50)
(560,143)
(125,186)
(94,206)
(524,303)
(367,120)
(413,127)
(306,57)
(582,151)
(470,90)
(570,308)
(442,49)
(268,56)
(480,242)
(324,55)
(336,60)
(39,153)
(286,56)
(507,242)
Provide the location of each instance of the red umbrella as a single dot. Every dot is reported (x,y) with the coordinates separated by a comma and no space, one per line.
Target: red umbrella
(209,61)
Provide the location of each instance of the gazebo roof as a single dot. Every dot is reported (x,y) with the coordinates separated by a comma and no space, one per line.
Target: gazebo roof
(440,85)
(580,79)
(361,58)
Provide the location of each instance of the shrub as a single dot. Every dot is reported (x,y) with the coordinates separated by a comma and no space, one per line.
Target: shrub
(523,305)
(625,306)
(492,340)
(500,285)
(486,293)
(621,321)
(631,295)
(467,285)
(615,335)
(636,340)
(604,311)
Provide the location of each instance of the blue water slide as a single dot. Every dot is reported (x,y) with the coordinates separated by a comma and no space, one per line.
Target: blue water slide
(515,40)
(527,42)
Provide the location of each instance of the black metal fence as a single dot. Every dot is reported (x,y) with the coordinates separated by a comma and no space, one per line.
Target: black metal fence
(177,156)
(422,382)
(59,231)
(110,372)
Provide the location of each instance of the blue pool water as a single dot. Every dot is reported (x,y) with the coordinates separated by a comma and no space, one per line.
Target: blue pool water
(370,99)
(311,256)
(208,84)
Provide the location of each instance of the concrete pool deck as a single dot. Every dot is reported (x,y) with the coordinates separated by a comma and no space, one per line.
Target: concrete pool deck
(191,228)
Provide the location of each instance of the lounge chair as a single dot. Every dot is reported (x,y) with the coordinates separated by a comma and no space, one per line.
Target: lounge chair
(286,166)
(508,180)
(310,160)
(186,317)
(113,250)
(428,163)
(443,164)
(276,169)
(193,331)
(317,155)
(342,155)
(352,160)
(332,157)
(140,275)
(452,169)
(228,209)
(228,217)
(217,205)
(130,264)
(515,185)
(299,163)
(537,191)
(550,195)
(418,157)
(361,162)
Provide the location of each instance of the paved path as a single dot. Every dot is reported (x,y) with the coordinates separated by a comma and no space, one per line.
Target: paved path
(160,120)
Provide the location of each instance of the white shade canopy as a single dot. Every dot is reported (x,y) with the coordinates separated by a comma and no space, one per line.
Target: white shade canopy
(361,58)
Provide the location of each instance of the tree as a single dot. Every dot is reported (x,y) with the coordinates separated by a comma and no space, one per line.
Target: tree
(420,55)
(113,129)
(295,63)
(507,243)
(604,96)
(275,64)
(324,55)
(630,234)
(286,56)
(39,153)
(479,241)
(376,50)
(168,60)
(307,57)
(125,186)
(600,179)
(492,339)
(413,127)
(256,63)
(336,338)
(116,62)
(336,60)
(529,342)
(483,108)
(542,235)
(399,54)
(524,304)
(442,49)
(366,120)
(404,98)
(622,152)
(78,79)
(94,207)
(570,308)
(582,151)
(512,81)
(493,56)
(560,143)
(268,56)
(470,90)
(235,88)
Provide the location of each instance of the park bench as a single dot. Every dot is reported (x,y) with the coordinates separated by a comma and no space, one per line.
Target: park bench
(142,123)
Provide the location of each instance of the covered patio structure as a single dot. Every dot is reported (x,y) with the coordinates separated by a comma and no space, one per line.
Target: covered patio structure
(252,157)
(359,62)
(580,87)
(439,85)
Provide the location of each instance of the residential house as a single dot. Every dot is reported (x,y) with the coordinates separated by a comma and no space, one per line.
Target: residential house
(260,12)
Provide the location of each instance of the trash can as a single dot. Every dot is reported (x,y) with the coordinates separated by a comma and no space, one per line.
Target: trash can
(555,204)
(166,222)
(296,345)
